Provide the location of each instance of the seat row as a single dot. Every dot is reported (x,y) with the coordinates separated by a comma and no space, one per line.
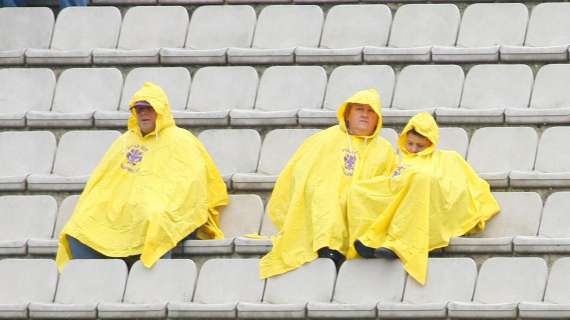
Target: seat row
(287,95)
(234,34)
(30,225)
(504,288)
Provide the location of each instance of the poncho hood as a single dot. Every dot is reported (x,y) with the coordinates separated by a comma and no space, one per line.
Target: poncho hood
(369,97)
(157,98)
(424,124)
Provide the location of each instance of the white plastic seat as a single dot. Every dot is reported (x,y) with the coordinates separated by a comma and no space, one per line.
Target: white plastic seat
(279,30)
(78,30)
(78,153)
(213,29)
(484,27)
(343,39)
(248,245)
(519,216)
(144,31)
(453,139)
(283,90)
(23,28)
(416,28)
(23,90)
(503,283)
(79,92)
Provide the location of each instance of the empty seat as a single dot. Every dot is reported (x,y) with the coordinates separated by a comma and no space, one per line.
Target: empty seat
(78,153)
(453,139)
(24,281)
(519,216)
(23,28)
(23,90)
(78,30)
(484,27)
(221,285)
(343,39)
(416,28)
(79,92)
(547,36)
(279,30)
(23,218)
(257,245)
(496,151)
(24,153)
(82,285)
(501,285)
(283,90)
(213,29)
(144,31)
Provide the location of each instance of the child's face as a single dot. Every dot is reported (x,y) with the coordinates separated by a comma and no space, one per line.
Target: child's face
(416,143)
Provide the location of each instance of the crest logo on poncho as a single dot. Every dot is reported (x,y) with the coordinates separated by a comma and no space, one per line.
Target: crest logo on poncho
(134,156)
(350,158)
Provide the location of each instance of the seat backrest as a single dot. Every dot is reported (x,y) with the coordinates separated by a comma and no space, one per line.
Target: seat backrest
(229,281)
(303,26)
(349,26)
(549,25)
(495,149)
(79,152)
(453,139)
(24,217)
(86,28)
(313,282)
(497,86)
(213,27)
(267,226)
(551,87)
(175,81)
(558,282)
(555,218)
(291,87)
(92,281)
(27,280)
(233,150)
(279,146)
(222,88)
(553,151)
(488,24)
(65,211)
(242,215)
(425,24)
(25,28)
(363,281)
(146,27)
(26,152)
(26,89)
(511,279)
(428,86)
(448,279)
(88,89)
(391,135)
(346,80)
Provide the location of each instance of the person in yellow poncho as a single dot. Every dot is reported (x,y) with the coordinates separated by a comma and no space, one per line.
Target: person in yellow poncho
(308,203)
(433,195)
(154,186)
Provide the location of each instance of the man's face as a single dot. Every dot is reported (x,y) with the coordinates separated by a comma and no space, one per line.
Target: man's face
(146,117)
(416,143)
(362,119)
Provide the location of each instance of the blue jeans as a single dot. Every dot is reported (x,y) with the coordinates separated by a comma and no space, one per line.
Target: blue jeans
(82,251)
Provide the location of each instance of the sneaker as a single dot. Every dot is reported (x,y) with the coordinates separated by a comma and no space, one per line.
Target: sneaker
(337,257)
(385,253)
(363,251)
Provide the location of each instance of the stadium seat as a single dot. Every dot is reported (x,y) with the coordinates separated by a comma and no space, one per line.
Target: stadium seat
(484,27)
(79,92)
(149,290)
(24,217)
(286,295)
(248,245)
(360,286)
(416,28)
(503,282)
(23,153)
(453,139)
(283,90)
(213,29)
(519,216)
(221,285)
(279,30)
(82,285)
(347,29)
(23,28)
(78,153)
(24,281)
(78,30)
(144,31)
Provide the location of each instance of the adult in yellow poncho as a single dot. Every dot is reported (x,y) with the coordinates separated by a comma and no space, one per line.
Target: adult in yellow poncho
(154,186)
(433,195)
(308,203)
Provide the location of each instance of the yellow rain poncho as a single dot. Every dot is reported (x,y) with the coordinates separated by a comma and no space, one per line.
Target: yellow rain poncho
(308,203)
(432,196)
(147,193)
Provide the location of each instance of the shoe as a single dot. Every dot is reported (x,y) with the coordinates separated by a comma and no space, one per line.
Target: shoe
(363,251)
(385,253)
(337,257)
